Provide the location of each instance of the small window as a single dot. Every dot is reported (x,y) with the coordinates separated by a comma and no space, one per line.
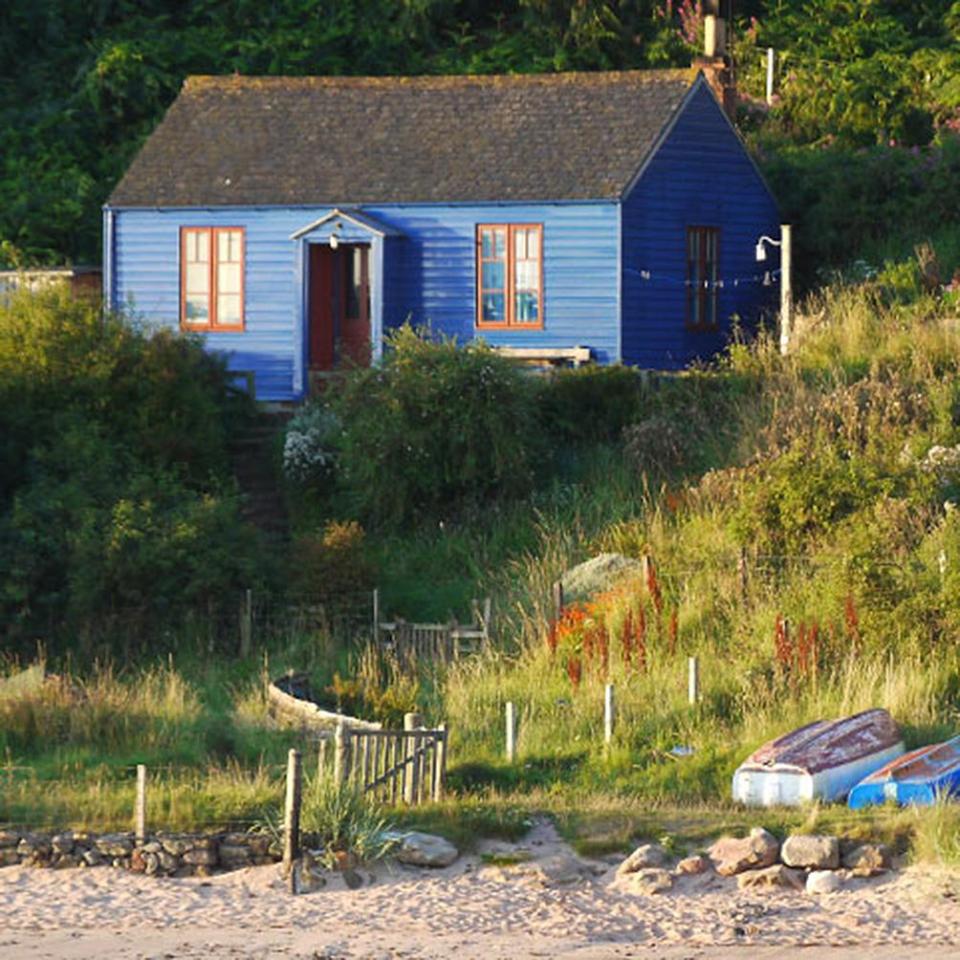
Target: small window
(510,275)
(211,278)
(702,266)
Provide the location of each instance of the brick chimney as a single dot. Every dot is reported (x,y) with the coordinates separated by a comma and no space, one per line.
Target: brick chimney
(714,62)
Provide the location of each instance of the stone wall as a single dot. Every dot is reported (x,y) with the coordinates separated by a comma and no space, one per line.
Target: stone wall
(161,854)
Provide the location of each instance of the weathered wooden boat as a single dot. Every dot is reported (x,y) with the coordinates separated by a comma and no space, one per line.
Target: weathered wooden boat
(820,761)
(291,698)
(917,777)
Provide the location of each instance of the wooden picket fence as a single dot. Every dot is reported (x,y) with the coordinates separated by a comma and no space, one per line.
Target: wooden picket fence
(394,766)
(420,643)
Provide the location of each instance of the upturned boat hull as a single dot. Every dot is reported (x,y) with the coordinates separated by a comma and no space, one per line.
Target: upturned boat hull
(918,777)
(821,761)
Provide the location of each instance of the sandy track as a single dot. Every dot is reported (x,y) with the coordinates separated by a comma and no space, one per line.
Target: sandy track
(468,911)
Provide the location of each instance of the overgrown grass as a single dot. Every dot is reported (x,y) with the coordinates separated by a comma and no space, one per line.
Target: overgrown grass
(766,489)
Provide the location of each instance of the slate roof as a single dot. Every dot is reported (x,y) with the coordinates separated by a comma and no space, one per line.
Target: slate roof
(353,140)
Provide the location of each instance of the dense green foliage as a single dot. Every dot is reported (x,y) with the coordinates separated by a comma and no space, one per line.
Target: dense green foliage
(114,500)
(434,426)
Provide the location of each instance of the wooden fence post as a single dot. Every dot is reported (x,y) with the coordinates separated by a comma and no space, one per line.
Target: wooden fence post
(558,601)
(411,786)
(645,562)
(321,758)
(246,624)
(511,732)
(693,681)
(340,754)
(742,577)
(140,810)
(608,713)
(376,615)
(291,820)
(441,761)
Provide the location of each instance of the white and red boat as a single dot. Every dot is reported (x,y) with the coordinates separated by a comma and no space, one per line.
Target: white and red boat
(821,761)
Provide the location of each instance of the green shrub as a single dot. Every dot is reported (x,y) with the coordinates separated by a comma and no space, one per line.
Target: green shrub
(590,403)
(436,427)
(115,496)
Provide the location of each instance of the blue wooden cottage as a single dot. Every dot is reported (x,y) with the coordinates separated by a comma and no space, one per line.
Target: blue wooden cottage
(292,222)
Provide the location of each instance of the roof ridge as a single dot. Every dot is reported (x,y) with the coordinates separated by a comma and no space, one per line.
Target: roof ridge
(197,81)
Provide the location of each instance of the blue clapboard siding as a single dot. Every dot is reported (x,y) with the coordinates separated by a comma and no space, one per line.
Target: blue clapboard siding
(429,276)
(700,176)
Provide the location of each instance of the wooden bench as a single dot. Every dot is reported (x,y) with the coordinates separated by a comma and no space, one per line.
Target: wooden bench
(547,356)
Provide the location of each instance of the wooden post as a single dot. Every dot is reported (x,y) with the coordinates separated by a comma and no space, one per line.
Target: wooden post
(441,777)
(511,732)
(786,288)
(558,601)
(742,574)
(291,820)
(608,713)
(770,61)
(376,615)
(411,787)
(340,755)
(140,810)
(693,681)
(645,563)
(321,758)
(246,624)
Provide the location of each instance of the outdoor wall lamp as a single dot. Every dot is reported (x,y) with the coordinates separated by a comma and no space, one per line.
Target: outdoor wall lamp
(786,289)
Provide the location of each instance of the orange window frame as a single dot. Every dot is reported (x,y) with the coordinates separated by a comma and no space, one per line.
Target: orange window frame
(703,301)
(212,323)
(509,321)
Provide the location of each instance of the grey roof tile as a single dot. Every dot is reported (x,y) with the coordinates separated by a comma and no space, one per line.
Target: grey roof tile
(353,140)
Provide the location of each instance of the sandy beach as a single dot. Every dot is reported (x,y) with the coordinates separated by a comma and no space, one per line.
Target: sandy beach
(471,911)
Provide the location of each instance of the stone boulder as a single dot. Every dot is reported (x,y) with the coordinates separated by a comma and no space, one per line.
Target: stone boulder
(771,877)
(733,855)
(645,856)
(824,881)
(426,850)
(692,866)
(868,859)
(811,851)
(646,881)
(598,573)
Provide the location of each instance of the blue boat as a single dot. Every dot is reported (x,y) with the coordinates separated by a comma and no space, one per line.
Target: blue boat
(917,777)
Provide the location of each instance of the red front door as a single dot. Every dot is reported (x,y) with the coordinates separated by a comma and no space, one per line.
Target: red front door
(339,305)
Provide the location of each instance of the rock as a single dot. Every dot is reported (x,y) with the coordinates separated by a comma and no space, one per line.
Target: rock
(138,863)
(9,838)
(151,864)
(811,851)
(9,857)
(232,856)
(167,861)
(426,850)
(647,855)
(868,859)
(647,881)
(732,855)
(598,573)
(690,866)
(115,844)
(776,876)
(352,879)
(92,858)
(152,846)
(824,881)
(205,858)
(176,845)
(62,842)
